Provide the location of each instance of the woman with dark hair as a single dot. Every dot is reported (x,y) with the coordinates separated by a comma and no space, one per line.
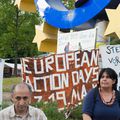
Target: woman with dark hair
(103,102)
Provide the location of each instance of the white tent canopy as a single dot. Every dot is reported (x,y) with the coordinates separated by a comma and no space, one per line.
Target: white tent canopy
(11,65)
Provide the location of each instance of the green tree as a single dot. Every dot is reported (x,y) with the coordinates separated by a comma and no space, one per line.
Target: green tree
(69,3)
(17,30)
(114,40)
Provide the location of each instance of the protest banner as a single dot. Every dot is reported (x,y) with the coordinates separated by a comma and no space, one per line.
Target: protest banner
(80,40)
(1,80)
(65,78)
(111,58)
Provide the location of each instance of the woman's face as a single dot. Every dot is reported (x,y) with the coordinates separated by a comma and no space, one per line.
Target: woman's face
(106,81)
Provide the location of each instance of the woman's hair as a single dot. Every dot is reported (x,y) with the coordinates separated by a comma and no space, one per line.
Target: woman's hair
(112,74)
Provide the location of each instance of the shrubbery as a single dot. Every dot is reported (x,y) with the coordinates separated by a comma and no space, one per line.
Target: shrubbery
(52,112)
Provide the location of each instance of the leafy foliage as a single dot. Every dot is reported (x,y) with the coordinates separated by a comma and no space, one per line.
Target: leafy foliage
(114,40)
(17,30)
(69,3)
(52,112)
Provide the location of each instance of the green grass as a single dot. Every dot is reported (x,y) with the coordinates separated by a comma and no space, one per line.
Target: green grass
(8,82)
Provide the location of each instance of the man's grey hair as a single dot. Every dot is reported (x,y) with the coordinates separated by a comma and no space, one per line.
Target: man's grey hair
(14,86)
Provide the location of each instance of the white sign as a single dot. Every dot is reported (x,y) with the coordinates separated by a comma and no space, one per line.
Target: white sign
(82,40)
(1,79)
(111,58)
(100,38)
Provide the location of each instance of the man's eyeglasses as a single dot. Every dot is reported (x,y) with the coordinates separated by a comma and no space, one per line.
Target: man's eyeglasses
(18,98)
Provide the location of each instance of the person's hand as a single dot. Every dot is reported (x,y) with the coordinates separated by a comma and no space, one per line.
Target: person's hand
(86,117)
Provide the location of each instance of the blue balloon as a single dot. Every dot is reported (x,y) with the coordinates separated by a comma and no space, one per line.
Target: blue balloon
(55,13)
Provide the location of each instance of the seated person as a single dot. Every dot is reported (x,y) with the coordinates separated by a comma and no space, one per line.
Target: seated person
(21,110)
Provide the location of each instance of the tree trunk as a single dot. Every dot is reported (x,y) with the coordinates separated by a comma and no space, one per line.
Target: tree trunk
(15,66)
(16,42)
